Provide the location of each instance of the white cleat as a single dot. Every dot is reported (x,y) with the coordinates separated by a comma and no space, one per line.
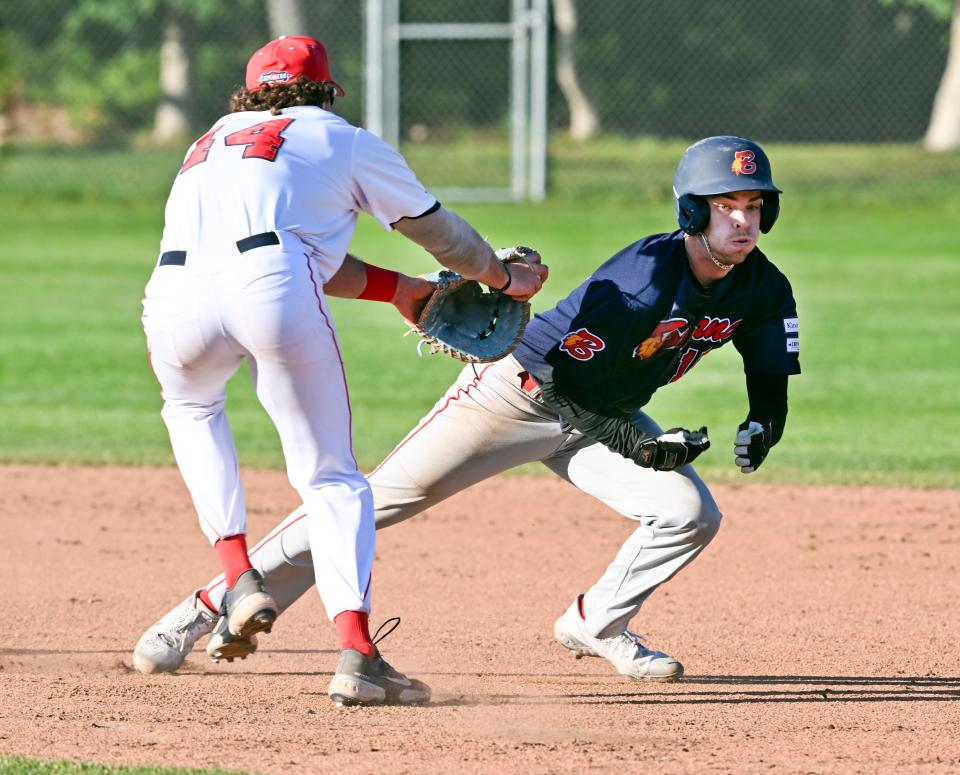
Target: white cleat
(163,647)
(625,652)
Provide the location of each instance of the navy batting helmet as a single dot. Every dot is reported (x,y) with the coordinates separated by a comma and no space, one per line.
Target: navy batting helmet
(722,165)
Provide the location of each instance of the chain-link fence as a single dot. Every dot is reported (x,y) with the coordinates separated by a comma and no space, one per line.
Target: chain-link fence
(81,76)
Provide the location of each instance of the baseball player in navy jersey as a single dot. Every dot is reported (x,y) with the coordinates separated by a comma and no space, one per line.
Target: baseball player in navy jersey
(256,232)
(571,396)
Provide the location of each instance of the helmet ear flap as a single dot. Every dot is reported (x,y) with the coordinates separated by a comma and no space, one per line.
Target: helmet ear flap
(769,210)
(693,213)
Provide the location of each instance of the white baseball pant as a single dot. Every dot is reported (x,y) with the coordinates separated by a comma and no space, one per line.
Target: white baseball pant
(266,306)
(486,424)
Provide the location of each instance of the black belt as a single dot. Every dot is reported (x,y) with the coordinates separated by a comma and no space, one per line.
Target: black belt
(179,257)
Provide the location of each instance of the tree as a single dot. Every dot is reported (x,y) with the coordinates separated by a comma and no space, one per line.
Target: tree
(583,118)
(285,18)
(179,20)
(172,119)
(943,131)
(943,134)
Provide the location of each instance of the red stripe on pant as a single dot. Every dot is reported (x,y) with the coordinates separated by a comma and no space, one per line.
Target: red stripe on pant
(277,531)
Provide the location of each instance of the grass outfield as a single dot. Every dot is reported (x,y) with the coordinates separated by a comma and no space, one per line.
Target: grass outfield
(864,237)
(21,765)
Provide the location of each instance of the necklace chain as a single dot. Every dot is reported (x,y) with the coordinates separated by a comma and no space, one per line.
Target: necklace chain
(717,262)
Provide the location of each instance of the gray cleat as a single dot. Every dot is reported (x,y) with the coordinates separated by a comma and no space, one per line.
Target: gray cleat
(246,610)
(360,680)
(247,606)
(223,644)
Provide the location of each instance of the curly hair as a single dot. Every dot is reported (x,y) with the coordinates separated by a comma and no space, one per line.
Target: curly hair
(274,98)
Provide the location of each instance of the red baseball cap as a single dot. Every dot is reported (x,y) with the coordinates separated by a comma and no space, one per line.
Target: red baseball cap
(283,59)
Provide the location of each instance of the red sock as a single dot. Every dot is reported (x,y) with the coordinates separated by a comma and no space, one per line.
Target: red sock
(580,607)
(205,599)
(232,552)
(354,632)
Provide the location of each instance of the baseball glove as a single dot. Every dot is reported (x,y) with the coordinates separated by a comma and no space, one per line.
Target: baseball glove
(470,324)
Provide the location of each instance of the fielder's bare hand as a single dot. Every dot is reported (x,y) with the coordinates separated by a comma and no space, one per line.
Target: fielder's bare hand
(531,270)
(411,296)
(527,273)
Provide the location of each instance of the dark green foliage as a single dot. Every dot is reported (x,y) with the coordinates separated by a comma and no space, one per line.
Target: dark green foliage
(817,70)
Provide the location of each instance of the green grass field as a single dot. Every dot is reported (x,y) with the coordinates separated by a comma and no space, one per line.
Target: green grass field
(21,765)
(865,236)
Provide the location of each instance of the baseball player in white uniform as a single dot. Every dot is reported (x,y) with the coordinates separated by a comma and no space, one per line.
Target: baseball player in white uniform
(571,396)
(256,233)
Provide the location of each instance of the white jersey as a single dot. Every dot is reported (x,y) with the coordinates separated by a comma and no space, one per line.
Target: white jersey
(294,182)
(305,171)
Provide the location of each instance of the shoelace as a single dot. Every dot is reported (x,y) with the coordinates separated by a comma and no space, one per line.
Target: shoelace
(377,637)
(386,667)
(183,626)
(633,642)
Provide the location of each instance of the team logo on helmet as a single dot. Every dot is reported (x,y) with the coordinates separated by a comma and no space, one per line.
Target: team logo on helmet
(743,163)
(669,334)
(581,344)
(275,76)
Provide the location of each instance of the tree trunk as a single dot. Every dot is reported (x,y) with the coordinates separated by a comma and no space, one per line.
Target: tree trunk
(285,18)
(943,134)
(583,118)
(171,122)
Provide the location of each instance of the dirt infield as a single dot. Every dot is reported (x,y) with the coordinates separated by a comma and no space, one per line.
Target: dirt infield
(820,633)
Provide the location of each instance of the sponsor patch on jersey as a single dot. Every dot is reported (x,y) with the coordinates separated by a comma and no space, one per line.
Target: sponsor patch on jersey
(275,76)
(793,345)
(668,335)
(716,330)
(581,344)
(791,325)
(743,163)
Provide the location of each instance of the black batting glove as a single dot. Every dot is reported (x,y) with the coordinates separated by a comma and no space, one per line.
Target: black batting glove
(752,444)
(672,449)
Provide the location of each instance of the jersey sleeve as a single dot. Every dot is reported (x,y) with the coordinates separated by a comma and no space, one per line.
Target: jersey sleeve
(599,338)
(384,185)
(769,338)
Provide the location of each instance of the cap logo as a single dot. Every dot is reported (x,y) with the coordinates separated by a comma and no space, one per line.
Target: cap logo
(743,163)
(275,76)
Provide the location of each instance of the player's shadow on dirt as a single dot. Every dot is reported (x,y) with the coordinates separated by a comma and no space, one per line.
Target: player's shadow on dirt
(744,689)
(67,652)
(740,689)
(58,652)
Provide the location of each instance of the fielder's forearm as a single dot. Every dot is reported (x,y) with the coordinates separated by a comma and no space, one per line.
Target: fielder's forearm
(456,245)
(356,279)
(350,279)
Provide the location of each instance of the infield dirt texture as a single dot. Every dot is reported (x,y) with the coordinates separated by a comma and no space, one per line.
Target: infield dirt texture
(819,632)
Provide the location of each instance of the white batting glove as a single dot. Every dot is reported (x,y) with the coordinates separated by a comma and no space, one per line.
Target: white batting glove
(751,445)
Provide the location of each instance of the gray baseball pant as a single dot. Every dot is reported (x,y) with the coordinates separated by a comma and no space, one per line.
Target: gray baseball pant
(485,424)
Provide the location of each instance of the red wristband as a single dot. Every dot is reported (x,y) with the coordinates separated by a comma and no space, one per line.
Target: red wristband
(381,284)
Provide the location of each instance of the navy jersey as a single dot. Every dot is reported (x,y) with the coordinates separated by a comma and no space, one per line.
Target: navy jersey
(641,320)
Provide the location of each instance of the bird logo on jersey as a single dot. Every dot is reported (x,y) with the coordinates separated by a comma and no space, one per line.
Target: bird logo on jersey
(581,344)
(669,334)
